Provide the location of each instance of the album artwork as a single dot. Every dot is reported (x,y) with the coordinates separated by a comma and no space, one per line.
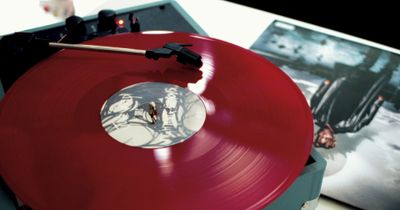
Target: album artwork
(354,93)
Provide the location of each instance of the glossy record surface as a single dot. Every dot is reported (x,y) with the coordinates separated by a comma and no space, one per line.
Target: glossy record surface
(55,154)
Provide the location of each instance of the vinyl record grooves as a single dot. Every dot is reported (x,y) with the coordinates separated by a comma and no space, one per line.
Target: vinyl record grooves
(55,153)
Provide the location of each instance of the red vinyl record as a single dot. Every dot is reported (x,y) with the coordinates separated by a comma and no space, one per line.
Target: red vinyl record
(93,130)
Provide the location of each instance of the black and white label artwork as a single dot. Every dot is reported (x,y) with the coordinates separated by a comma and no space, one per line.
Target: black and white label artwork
(153,115)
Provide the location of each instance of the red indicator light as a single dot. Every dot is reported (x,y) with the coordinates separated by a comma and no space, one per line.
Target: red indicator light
(120,22)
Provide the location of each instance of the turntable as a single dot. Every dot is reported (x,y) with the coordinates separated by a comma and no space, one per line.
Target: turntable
(105,130)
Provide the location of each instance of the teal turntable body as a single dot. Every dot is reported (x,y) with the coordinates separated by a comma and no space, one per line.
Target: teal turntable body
(306,187)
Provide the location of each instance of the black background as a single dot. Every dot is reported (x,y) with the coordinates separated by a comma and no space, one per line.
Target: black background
(377,21)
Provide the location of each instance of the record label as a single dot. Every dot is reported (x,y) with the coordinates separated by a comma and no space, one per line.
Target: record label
(152,115)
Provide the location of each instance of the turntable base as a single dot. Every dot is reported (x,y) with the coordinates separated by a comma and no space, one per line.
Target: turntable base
(304,189)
